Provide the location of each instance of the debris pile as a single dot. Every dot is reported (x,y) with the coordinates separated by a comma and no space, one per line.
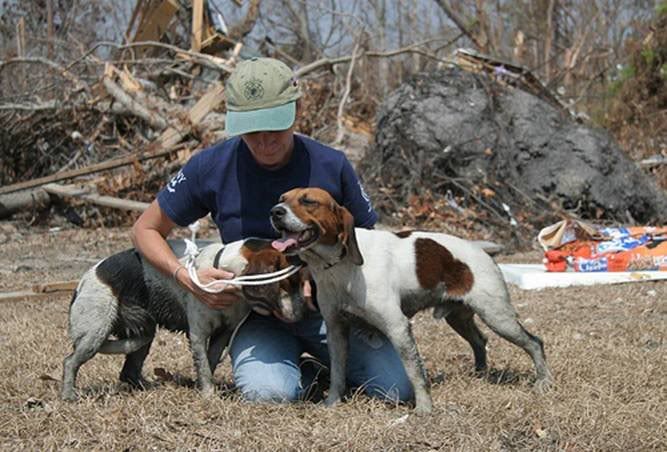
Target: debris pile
(115,123)
(513,161)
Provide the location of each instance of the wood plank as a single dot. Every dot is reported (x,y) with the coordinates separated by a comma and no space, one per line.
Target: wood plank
(29,295)
(154,23)
(197,24)
(204,106)
(20,38)
(59,286)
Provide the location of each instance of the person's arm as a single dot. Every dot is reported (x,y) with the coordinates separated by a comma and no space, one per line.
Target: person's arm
(355,198)
(149,235)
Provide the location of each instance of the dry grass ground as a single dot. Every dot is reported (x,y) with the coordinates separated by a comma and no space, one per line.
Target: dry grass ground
(606,347)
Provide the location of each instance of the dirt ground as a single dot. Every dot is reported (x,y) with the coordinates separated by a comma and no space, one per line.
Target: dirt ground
(605,345)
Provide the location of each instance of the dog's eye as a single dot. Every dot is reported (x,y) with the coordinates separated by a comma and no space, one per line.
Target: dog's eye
(308,202)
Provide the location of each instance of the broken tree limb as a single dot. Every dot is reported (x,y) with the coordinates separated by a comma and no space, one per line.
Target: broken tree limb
(103,166)
(654,160)
(107,201)
(14,202)
(208,102)
(134,106)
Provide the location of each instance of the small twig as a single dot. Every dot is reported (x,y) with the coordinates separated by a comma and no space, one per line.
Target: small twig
(346,93)
(31,107)
(38,60)
(201,58)
(413,48)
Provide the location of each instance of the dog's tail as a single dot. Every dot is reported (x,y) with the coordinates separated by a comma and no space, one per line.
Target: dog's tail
(123,346)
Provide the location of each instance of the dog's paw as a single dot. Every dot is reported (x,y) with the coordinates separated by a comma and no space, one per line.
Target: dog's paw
(207,392)
(544,385)
(136,383)
(332,400)
(69,396)
(424,409)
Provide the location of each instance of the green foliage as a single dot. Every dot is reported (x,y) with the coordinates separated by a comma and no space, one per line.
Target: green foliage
(626,73)
(649,56)
(661,9)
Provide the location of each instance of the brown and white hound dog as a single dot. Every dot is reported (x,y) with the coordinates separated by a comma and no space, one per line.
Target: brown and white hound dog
(385,278)
(124,296)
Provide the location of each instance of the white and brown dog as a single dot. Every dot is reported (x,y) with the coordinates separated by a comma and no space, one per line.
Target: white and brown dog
(124,296)
(385,278)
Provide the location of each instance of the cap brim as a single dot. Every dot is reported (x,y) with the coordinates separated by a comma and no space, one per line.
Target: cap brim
(263,120)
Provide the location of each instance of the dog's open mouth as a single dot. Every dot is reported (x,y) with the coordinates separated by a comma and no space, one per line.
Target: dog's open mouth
(295,241)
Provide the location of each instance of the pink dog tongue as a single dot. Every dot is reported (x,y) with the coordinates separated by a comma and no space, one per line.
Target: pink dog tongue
(282,244)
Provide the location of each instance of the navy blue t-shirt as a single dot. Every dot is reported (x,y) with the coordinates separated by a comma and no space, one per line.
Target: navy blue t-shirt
(225,181)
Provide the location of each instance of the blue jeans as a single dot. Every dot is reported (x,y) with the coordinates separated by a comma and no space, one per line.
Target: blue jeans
(265,360)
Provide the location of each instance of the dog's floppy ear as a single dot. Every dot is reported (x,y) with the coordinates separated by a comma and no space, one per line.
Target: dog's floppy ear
(347,236)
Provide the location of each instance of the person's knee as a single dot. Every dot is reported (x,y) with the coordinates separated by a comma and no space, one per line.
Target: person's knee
(265,393)
(269,386)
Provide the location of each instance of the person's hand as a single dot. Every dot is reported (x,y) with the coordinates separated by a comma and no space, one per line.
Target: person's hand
(308,295)
(221,300)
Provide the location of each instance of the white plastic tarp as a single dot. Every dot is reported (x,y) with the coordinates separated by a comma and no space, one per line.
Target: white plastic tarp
(535,276)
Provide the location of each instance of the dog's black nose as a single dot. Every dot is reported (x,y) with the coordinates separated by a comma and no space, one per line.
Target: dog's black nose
(278,211)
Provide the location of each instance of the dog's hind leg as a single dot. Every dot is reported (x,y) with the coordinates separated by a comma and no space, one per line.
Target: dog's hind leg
(216,345)
(91,318)
(461,319)
(500,316)
(134,363)
(84,349)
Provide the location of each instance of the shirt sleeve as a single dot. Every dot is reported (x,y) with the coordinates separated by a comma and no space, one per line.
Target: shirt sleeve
(355,198)
(181,198)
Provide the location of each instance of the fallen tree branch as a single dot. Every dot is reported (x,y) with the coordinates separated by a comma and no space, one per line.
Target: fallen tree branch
(135,107)
(14,202)
(103,166)
(107,201)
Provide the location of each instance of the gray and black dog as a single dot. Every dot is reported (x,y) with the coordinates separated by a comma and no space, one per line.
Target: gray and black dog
(120,302)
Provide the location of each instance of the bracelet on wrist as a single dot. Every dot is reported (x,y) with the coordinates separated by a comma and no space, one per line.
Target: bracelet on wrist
(175,274)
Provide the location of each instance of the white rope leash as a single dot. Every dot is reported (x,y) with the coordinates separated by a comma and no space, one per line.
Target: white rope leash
(191,252)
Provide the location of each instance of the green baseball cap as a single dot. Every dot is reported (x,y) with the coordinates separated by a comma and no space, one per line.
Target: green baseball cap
(261,95)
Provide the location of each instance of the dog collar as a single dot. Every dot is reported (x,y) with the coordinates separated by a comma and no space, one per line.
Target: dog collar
(216,259)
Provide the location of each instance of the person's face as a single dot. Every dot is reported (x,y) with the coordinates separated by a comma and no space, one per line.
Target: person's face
(271,150)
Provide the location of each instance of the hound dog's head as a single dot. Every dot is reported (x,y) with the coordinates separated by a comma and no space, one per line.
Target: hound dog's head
(285,296)
(309,218)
